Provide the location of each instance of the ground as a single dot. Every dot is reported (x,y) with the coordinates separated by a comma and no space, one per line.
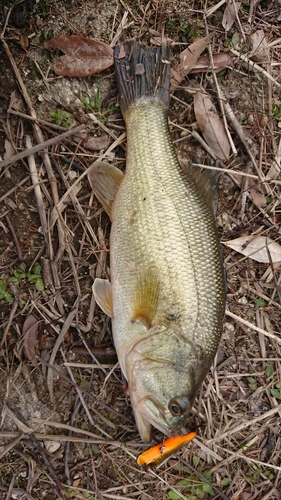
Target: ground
(67,428)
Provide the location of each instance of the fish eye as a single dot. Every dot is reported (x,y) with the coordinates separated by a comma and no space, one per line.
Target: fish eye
(178,406)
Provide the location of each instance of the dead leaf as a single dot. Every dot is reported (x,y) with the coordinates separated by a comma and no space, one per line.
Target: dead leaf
(30,330)
(221,61)
(211,126)
(188,59)
(9,149)
(257,248)
(256,195)
(83,56)
(259,45)
(254,190)
(275,168)
(24,42)
(230,14)
(97,143)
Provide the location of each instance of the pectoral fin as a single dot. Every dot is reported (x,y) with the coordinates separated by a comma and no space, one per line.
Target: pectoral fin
(103,295)
(105,180)
(145,298)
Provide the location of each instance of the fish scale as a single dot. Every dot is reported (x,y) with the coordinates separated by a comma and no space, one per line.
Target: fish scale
(167,281)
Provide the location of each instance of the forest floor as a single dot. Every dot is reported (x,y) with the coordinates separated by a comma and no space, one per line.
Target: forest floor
(67,428)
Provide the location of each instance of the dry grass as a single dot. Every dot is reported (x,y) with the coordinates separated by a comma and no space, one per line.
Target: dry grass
(68,431)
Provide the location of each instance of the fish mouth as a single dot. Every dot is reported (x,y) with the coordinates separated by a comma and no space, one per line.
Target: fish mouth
(145,422)
(144,427)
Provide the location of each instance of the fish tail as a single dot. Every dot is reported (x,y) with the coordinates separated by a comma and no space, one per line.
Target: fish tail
(142,73)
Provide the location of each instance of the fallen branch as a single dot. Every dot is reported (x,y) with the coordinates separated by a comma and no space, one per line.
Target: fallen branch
(41,146)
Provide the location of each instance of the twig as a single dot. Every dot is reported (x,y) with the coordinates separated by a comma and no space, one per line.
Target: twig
(36,444)
(246,424)
(219,93)
(41,146)
(38,194)
(90,395)
(39,120)
(15,238)
(68,444)
(213,9)
(204,144)
(253,327)
(203,478)
(227,171)
(66,325)
(11,445)
(8,193)
(10,490)
(94,424)
(255,66)
(6,331)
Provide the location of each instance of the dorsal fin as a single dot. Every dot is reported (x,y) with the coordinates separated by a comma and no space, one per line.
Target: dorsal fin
(207,182)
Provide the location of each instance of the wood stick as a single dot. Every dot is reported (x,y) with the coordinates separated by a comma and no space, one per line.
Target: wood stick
(41,146)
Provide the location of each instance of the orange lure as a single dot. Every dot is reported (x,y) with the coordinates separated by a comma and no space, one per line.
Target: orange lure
(156,454)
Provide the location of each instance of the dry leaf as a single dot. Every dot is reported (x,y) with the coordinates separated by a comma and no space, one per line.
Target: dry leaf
(259,45)
(188,59)
(83,56)
(211,125)
(24,42)
(256,247)
(221,61)
(9,149)
(256,195)
(97,143)
(275,168)
(254,191)
(230,14)
(29,330)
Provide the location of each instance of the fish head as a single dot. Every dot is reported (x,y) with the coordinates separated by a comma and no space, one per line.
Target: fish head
(162,387)
(150,412)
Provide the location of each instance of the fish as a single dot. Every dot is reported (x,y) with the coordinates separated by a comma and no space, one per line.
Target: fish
(159,452)
(166,295)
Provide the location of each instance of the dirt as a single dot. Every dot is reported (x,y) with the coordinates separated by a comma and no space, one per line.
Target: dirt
(79,412)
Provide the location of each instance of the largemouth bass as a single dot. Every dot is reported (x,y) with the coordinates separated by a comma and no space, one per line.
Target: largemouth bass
(167,292)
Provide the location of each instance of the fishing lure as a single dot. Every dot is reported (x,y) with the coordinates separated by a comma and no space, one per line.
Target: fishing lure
(158,453)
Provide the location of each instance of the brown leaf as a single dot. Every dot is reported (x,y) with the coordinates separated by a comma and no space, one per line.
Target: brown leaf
(97,143)
(221,61)
(256,195)
(24,42)
(259,44)
(83,56)
(188,59)
(254,191)
(257,248)
(29,330)
(229,15)
(211,126)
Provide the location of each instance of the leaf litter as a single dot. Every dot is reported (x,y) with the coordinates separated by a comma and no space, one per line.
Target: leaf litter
(211,126)
(237,413)
(259,248)
(82,56)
